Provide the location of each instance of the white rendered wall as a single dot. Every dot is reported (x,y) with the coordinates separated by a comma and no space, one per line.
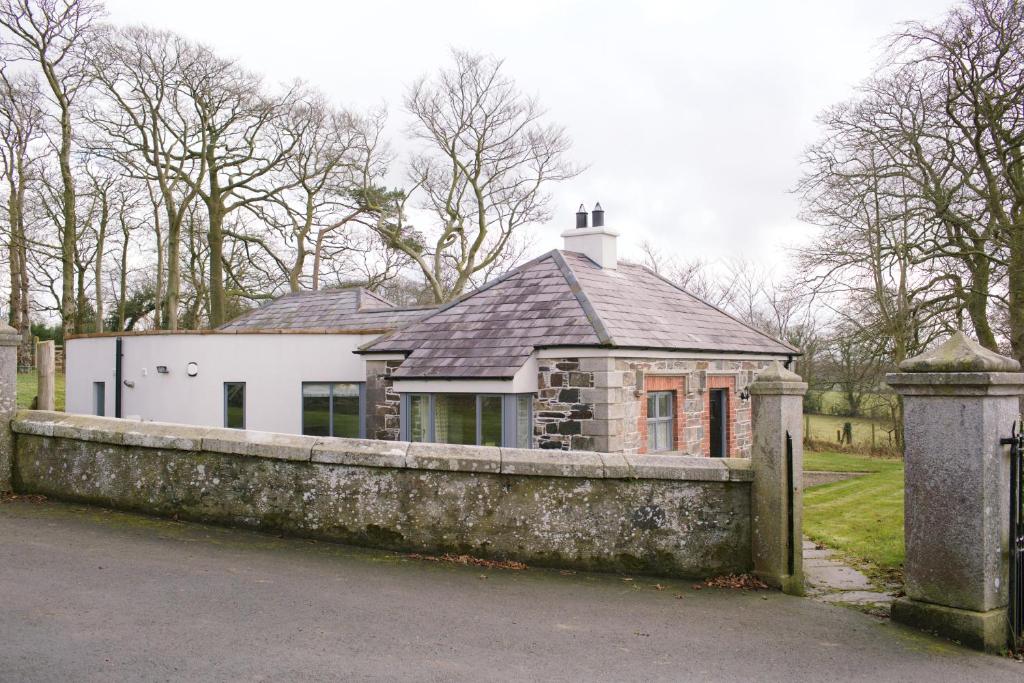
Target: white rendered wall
(273,367)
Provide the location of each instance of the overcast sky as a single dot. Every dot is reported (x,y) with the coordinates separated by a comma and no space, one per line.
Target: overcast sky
(691,116)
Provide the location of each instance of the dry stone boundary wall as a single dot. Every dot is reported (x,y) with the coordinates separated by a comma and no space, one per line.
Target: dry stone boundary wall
(664,515)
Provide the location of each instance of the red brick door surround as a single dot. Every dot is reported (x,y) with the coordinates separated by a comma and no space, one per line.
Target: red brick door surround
(727,382)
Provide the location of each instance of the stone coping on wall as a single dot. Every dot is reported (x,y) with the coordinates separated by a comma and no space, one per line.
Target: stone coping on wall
(372,453)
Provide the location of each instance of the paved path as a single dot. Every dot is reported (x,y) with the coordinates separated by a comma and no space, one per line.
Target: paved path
(830,580)
(93,595)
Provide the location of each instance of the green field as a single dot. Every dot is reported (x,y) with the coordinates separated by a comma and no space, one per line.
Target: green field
(27,390)
(862,517)
(865,432)
(873,406)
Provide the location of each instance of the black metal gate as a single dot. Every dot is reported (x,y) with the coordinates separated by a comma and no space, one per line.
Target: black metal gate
(1016,607)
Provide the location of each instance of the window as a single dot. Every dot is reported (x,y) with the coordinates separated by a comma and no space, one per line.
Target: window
(332,409)
(472,419)
(99,398)
(234,405)
(524,421)
(659,421)
(455,418)
(418,416)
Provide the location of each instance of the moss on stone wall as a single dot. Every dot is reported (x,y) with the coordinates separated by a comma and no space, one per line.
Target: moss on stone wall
(663,526)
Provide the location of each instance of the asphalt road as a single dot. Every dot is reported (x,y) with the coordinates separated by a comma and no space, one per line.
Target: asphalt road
(94,595)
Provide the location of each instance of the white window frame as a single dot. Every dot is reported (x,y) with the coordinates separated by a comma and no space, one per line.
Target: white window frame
(655,420)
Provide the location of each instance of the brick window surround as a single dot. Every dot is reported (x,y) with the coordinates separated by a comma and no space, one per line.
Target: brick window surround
(727,382)
(677,385)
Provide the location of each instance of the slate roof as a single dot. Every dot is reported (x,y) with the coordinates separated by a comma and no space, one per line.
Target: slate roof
(564,299)
(352,309)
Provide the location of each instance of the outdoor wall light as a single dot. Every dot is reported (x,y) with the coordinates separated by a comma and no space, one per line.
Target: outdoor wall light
(745,394)
(128,383)
(162,369)
(192,369)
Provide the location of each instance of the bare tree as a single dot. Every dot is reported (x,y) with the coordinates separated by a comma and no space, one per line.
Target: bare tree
(484,175)
(240,144)
(53,34)
(973,63)
(322,186)
(147,122)
(21,127)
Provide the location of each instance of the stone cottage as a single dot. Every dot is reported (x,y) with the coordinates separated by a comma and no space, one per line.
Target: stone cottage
(573,350)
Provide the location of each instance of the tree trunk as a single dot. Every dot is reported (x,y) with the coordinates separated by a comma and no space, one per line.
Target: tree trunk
(80,299)
(122,284)
(173,294)
(1016,293)
(14,248)
(977,301)
(160,311)
(101,237)
(215,239)
(317,256)
(67,304)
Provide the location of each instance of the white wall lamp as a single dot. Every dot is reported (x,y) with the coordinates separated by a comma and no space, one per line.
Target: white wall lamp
(162,370)
(192,369)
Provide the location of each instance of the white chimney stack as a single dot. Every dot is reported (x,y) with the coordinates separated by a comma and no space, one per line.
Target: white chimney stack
(597,243)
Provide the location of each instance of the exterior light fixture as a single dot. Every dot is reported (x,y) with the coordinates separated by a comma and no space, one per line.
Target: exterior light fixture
(161,369)
(192,369)
(129,383)
(745,394)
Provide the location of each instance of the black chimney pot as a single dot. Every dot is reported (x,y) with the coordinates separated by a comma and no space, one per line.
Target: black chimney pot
(598,215)
(581,217)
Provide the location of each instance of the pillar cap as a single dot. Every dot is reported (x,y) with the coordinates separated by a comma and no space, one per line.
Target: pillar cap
(960,353)
(9,336)
(775,379)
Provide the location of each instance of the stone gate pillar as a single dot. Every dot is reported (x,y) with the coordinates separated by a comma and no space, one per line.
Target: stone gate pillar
(958,401)
(9,342)
(777,494)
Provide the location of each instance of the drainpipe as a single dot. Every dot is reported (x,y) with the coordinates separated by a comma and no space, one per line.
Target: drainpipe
(117,377)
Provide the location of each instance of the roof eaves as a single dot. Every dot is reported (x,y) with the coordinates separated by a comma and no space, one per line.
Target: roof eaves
(581,296)
(674,349)
(452,378)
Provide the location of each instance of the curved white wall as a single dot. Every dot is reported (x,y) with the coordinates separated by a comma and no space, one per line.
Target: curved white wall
(273,366)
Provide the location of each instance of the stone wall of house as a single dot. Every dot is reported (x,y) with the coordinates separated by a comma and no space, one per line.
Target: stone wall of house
(600,403)
(560,413)
(663,515)
(691,381)
(383,404)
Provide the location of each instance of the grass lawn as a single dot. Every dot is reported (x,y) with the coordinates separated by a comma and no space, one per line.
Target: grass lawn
(27,390)
(861,517)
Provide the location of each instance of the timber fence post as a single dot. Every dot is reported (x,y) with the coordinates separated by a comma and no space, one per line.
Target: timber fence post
(777,495)
(9,342)
(959,401)
(45,370)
